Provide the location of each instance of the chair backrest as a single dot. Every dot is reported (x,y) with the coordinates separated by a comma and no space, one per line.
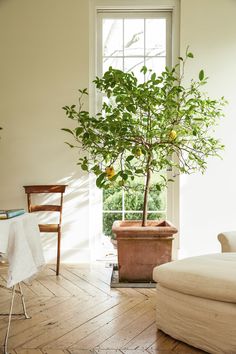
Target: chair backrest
(40,189)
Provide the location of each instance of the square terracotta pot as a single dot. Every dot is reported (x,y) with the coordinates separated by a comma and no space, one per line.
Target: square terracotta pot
(140,249)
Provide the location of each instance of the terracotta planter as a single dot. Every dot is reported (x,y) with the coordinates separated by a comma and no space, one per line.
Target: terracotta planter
(140,249)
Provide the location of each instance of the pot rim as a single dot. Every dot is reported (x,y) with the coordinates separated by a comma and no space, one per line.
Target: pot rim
(162,226)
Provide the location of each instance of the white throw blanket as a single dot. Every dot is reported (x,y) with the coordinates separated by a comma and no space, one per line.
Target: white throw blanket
(23,248)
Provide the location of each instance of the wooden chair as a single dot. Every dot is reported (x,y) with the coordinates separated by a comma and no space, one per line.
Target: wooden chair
(39,189)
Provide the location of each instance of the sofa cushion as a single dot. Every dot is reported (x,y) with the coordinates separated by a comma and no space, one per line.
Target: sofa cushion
(210,276)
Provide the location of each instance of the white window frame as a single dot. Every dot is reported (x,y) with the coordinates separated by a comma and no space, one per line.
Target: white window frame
(97,6)
(127,14)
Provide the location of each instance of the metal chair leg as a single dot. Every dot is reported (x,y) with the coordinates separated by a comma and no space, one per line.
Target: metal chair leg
(10,313)
(23,302)
(9,320)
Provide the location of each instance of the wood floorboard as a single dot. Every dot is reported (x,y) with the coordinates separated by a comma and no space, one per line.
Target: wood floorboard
(78,313)
(83,285)
(142,340)
(91,328)
(122,337)
(63,318)
(100,310)
(82,351)
(106,331)
(93,281)
(163,342)
(39,312)
(134,351)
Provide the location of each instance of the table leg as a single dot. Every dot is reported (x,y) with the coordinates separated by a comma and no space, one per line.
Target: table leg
(23,302)
(10,313)
(9,319)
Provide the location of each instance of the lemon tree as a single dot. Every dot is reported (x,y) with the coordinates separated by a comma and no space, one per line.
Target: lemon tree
(145,128)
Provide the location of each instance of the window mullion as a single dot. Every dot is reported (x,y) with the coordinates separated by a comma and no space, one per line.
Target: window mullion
(144,45)
(123,47)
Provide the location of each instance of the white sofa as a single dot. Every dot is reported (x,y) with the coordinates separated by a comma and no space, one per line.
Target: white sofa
(228,241)
(196,301)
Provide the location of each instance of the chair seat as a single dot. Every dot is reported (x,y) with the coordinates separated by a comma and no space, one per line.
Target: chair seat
(49,227)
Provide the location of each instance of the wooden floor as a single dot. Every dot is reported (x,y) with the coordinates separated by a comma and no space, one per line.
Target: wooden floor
(78,313)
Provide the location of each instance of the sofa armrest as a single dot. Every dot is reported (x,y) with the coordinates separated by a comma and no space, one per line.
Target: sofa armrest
(227,241)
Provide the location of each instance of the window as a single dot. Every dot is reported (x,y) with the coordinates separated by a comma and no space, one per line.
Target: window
(128,41)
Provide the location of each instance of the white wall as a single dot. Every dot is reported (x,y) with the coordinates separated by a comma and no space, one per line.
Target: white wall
(207,203)
(45,58)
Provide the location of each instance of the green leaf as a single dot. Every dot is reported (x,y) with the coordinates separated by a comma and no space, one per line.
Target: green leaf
(144,70)
(190,55)
(163,177)
(70,145)
(129,158)
(78,131)
(201,75)
(114,177)
(124,176)
(86,135)
(153,77)
(84,166)
(96,169)
(68,130)
(100,179)
(139,170)
(84,91)
(131,108)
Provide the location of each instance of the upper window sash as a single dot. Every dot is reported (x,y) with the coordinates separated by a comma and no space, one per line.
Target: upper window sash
(135,14)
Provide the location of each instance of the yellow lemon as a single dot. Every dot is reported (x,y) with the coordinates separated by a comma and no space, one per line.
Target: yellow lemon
(138,152)
(110,172)
(172,135)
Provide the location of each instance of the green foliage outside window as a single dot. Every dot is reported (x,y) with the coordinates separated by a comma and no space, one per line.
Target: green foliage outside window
(112,201)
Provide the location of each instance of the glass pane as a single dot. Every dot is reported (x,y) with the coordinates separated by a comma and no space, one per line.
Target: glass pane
(155,36)
(157,216)
(157,200)
(133,216)
(108,219)
(151,216)
(116,63)
(112,37)
(112,199)
(135,65)
(134,195)
(156,64)
(133,37)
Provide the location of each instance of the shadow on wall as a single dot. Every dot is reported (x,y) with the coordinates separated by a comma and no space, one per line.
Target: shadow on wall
(75,245)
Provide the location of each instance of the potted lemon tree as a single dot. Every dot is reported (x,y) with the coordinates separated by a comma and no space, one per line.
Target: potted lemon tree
(141,130)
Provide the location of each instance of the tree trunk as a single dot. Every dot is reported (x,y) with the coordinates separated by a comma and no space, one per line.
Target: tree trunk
(146,193)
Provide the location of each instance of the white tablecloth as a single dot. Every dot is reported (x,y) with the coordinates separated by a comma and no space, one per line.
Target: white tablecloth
(20,241)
